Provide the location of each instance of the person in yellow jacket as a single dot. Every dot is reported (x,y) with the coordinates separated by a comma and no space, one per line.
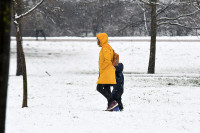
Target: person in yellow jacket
(106,70)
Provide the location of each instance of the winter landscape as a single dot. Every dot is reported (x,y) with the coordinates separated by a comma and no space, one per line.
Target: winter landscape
(62,97)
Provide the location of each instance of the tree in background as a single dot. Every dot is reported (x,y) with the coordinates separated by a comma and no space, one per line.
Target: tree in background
(115,17)
(5,18)
(81,18)
(172,13)
(17,21)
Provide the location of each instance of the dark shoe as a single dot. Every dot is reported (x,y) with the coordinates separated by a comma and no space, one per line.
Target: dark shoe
(112,105)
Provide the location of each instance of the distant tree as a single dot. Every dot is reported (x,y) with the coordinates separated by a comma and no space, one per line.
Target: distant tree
(129,20)
(151,68)
(5,18)
(115,17)
(17,21)
(160,12)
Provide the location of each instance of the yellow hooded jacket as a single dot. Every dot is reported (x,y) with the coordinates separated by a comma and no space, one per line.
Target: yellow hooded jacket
(106,69)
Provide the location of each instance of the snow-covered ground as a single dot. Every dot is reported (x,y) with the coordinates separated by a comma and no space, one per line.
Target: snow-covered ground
(62,97)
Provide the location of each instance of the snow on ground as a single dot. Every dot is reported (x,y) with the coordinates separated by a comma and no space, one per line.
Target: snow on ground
(66,101)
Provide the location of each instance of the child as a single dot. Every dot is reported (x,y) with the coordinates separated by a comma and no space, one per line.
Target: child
(118,89)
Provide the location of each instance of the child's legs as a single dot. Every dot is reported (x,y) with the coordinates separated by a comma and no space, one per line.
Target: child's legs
(116,95)
(120,92)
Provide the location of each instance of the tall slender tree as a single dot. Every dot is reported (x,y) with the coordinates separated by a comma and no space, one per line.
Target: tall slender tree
(5,18)
(17,21)
(18,10)
(151,67)
(160,12)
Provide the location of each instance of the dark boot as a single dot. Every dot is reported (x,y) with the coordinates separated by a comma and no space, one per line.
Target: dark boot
(112,105)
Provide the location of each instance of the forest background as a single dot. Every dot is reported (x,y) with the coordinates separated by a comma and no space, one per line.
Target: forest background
(115,17)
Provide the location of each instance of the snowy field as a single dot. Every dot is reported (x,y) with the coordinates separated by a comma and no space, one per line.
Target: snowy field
(62,92)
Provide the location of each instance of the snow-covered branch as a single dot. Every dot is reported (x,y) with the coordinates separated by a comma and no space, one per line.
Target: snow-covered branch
(129,25)
(145,18)
(145,2)
(176,18)
(28,12)
(178,24)
(150,3)
(161,10)
(197,6)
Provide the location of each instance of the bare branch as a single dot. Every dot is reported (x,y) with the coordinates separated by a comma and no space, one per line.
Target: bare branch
(147,3)
(181,16)
(193,20)
(177,24)
(196,6)
(129,25)
(162,10)
(28,12)
(145,18)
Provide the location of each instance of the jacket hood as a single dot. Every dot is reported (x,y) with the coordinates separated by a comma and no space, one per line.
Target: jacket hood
(119,67)
(103,38)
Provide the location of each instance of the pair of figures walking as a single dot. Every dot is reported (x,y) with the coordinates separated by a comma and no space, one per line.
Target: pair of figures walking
(109,75)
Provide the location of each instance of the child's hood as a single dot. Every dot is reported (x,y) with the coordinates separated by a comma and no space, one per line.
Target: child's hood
(119,67)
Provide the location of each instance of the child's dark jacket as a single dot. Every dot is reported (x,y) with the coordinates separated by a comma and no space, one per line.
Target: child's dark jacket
(119,87)
(119,75)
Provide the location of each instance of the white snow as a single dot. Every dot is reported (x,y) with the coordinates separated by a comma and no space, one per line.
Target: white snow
(67,101)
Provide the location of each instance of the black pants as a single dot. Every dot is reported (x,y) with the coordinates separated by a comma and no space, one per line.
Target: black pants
(105,90)
(117,94)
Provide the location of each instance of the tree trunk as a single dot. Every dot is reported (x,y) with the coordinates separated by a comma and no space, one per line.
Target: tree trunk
(25,90)
(151,67)
(19,62)
(25,87)
(5,16)
(23,62)
(18,10)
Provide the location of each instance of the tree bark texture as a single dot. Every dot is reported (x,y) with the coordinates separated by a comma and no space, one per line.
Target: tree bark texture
(18,10)
(5,18)
(25,87)
(151,67)
(22,57)
(23,63)
(19,62)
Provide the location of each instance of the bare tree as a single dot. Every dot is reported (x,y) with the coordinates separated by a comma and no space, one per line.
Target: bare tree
(17,21)
(159,16)
(151,68)
(5,17)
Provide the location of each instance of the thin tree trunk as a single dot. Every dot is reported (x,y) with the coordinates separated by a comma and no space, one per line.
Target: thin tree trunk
(19,62)
(151,67)
(18,10)
(5,17)
(23,62)
(25,87)
(19,42)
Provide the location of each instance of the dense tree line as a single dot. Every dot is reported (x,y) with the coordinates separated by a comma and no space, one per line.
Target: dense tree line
(89,17)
